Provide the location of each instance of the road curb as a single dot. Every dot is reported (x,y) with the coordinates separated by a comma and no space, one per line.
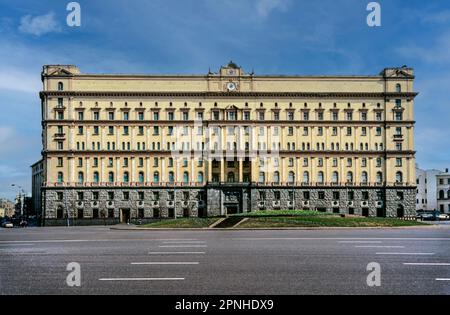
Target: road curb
(276,229)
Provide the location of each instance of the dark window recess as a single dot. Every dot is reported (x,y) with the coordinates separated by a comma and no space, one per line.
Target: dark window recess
(95,214)
(306,195)
(111,213)
(141,213)
(321,195)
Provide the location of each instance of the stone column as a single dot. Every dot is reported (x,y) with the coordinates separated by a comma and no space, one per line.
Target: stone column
(241,170)
(222,170)
(210,162)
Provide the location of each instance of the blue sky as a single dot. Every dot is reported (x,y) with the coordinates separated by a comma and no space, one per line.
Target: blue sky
(191,36)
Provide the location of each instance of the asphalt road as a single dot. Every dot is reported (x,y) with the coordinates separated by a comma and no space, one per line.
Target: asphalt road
(413,261)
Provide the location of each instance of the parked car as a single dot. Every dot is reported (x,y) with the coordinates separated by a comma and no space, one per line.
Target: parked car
(7,224)
(426,216)
(444,216)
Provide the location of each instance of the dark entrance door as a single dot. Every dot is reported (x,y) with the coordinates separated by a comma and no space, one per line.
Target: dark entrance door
(125,216)
(232,209)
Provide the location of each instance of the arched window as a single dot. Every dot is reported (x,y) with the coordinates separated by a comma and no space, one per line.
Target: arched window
(305,177)
(441,194)
(156,177)
(60,86)
(96,177)
(80,177)
(60,177)
(230,177)
(262,177)
(399,177)
(126,177)
(364,177)
(141,177)
(320,177)
(186,177)
(379,177)
(200,177)
(335,177)
(171,177)
(349,177)
(398,88)
(291,177)
(111,177)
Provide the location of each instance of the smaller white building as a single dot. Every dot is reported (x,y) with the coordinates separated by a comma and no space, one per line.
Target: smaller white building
(443,192)
(426,189)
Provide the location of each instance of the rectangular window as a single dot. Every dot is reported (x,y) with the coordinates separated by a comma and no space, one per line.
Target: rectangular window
(349,116)
(398,162)
(363,116)
(185,116)
(60,102)
(261,115)
(155,116)
(125,130)
(96,115)
(141,116)
(378,132)
(170,116)
(80,115)
(80,130)
(320,116)
(378,116)
(246,115)
(398,116)
(349,131)
(126,115)
(305,116)
(335,116)
(111,115)
(60,162)
(60,115)
(364,131)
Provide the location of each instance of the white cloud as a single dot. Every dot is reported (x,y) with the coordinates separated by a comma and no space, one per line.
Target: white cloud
(265,7)
(437,17)
(39,25)
(15,79)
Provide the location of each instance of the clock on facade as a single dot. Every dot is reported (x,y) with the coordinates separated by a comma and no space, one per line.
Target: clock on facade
(231,86)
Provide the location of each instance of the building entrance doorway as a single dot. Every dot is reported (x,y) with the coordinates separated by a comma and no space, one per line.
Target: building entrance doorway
(125,216)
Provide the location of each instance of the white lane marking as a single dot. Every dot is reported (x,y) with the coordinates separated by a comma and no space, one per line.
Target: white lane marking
(141,279)
(167,263)
(3,245)
(93,241)
(375,246)
(184,242)
(426,264)
(183,246)
(236,239)
(176,253)
(411,254)
(360,242)
(442,279)
(337,239)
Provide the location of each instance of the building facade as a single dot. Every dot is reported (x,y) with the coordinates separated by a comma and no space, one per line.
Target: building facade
(37,179)
(126,147)
(427,189)
(443,192)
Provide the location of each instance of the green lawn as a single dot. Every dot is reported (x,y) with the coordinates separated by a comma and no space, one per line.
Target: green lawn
(278,213)
(323,221)
(182,223)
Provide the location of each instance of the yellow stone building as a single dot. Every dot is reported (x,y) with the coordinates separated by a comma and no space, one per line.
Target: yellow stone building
(129,147)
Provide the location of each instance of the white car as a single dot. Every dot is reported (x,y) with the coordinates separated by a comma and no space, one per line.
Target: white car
(8,225)
(444,216)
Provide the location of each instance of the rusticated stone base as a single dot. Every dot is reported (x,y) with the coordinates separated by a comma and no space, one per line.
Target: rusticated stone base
(217,200)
